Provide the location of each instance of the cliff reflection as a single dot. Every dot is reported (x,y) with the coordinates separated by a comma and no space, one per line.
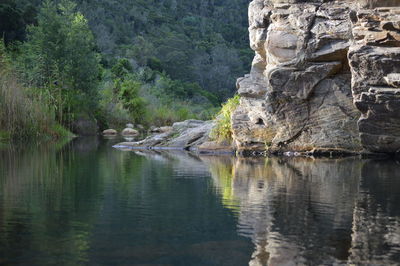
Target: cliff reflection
(376,216)
(324,211)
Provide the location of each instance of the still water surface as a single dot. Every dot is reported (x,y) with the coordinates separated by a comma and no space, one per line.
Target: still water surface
(85,203)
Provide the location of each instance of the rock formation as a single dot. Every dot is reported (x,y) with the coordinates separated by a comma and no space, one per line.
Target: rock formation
(319,65)
(375,64)
(186,135)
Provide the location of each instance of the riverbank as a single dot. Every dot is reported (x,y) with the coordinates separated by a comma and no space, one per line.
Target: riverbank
(55,133)
(195,136)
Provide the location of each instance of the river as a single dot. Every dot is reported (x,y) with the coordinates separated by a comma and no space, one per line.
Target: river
(85,203)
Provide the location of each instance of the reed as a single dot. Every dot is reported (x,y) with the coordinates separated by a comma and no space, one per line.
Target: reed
(23,114)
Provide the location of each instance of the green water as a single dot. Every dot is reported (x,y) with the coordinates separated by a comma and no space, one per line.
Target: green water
(85,203)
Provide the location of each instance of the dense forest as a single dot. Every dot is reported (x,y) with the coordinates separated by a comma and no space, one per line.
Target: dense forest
(150,62)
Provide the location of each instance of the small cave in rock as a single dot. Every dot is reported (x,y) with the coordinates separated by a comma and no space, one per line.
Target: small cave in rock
(260,122)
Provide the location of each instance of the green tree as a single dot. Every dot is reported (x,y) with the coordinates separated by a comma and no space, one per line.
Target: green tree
(14,17)
(129,96)
(60,57)
(122,68)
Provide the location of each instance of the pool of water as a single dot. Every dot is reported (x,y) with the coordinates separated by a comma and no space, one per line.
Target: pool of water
(85,203)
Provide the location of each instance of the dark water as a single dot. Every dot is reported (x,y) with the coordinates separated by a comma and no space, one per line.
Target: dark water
(84,203)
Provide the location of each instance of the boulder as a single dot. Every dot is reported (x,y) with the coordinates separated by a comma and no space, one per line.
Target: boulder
(129,125)
(130,132)
(110,132)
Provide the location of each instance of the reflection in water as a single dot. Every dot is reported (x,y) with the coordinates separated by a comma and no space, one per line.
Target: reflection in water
(376,217)
(86,203)
(302,211)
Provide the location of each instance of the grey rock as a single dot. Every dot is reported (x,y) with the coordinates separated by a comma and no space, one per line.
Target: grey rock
(297,96)
(187,135)
(319,67)
(393,80)
(375,65)
(160,129)
(110,132)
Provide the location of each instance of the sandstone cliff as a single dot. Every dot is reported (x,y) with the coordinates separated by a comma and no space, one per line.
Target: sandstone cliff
(324,76)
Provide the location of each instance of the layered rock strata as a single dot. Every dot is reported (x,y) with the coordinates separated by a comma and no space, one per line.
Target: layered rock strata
(375,64)
(300,93)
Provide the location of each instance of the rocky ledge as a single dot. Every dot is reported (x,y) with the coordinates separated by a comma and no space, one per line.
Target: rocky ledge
(190,135)
(323,77)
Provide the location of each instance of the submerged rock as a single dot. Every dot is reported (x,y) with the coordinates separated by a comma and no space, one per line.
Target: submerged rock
(313,61)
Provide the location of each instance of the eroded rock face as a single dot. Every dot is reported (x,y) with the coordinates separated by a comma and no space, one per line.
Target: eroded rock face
(299,93)
(375,64)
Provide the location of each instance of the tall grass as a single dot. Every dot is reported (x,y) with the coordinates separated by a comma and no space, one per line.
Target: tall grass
(23,114)
(222,132)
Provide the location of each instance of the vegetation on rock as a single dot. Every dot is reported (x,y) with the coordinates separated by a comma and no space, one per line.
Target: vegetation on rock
(222,132)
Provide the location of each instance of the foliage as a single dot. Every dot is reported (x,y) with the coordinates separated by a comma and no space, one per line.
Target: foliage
(121,69)
(111,110)
(165,115)
(60,58)
(23,114)
(152,62)
(14,16)
(223,129)
(203,42)
(128,91)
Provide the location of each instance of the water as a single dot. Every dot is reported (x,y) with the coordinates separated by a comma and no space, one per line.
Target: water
(85,203)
